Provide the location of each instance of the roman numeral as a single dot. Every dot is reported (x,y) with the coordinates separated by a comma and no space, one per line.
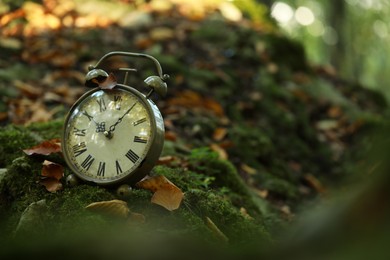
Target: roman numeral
(85,113)
(87,162)
(102,104)
(118,100)
(79,149)
(118,167)
(79,132)
(142,120)
(139,139)
(132,156)
(101,169)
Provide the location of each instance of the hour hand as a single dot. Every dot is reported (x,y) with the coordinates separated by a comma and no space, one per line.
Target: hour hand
(100,127)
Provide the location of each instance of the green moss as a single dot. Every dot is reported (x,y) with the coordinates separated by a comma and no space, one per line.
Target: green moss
(287,53)
(228,219)
(21,179)
(227,180)
(251,143)
(13,139)
(184,179)
(50,130)
(280,187)
(205,161)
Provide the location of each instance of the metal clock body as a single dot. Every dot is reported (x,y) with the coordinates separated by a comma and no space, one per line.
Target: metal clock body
(114,136)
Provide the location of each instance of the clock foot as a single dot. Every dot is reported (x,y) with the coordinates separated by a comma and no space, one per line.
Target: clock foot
(124,191)
(72,180)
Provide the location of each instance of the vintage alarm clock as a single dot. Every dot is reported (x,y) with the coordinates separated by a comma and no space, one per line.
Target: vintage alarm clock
(115,135)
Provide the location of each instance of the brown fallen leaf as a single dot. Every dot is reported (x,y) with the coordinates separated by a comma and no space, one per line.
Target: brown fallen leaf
(315,183)
(222,154)
(165,160)
(216,231)
(108,83)
(45,148)
(170,136)
(51,184)
(169,197)
(166,194)
(52,170)
(193,100)
(219,133)
(136,218)
(51,176)
(116,208)
(247,169)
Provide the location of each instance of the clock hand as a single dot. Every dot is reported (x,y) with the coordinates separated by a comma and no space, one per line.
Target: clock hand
(109,133)
(85,113)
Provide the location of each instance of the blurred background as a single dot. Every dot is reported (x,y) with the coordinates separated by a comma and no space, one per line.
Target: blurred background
(350,35)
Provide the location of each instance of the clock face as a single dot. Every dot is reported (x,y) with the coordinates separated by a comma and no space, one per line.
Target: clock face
(108,134)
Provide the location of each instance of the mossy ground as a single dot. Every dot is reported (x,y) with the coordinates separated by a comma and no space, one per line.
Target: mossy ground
(212,187)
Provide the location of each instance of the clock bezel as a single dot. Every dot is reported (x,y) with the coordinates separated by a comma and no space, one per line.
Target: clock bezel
(153,150)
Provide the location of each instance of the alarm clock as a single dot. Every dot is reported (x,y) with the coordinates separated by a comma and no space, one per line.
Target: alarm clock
(114,135)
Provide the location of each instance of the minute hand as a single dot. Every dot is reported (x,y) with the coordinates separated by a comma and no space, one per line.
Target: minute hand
(112,127)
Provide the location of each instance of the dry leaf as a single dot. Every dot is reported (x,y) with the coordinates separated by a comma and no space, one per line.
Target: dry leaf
(335,112)
(45,148)
(52,174)
(244,213)
(219,133)
(315,183)
(169,197)
(51,184)
(262,193)
(170,136)
(152,183)
(166,194)
(165,160)
(191,99)
(52,170)
(217,232)
(222,154)
(137,218)
(116,208)
(246,168)
(109,83)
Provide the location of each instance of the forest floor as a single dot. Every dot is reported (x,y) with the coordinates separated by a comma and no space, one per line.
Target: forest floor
(269,151)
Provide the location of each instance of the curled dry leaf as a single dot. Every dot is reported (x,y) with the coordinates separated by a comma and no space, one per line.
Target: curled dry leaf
(166,194)
(116,208)
(169,197)
(45,148)
(52,174)
(51,184)
(108,83)
(52,170)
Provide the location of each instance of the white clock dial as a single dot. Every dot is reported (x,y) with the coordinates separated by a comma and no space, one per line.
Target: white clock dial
(108,135)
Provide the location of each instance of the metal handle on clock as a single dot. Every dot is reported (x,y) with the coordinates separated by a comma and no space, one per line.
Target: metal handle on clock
(156,83)
(133,54)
